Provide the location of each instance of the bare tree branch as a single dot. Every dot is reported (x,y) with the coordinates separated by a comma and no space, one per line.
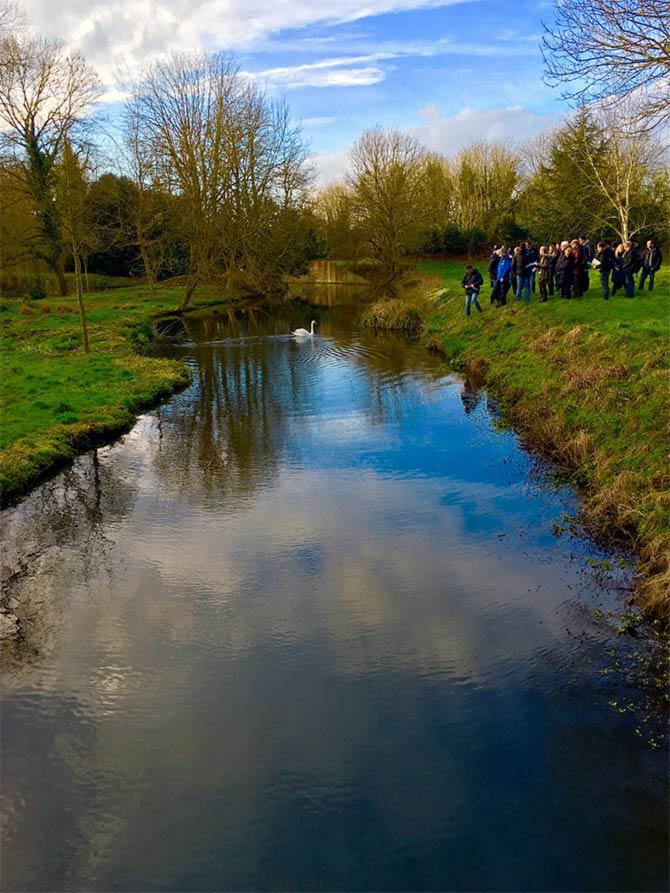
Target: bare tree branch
(608,50)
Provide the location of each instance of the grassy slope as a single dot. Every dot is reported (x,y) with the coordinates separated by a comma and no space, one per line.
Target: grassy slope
(586,381)
(54,399)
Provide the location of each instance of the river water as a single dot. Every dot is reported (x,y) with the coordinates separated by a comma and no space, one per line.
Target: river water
(318,623)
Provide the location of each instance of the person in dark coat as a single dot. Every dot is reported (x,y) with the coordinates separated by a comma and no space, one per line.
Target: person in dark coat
(554,252)
(618,276)
(631,263)
(587,249)
(544,266)
(578,270)
(493,270)
(532,257)
(472,282)
(521,273)
(604,263)
(651,264)
(565,268)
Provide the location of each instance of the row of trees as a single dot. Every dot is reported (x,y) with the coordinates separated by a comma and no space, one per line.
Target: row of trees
(212,180)
(400,199)
(587,176)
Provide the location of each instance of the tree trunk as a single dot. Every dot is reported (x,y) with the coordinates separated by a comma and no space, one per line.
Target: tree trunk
(148,268)
(190,288)
(80,301)
(62,281)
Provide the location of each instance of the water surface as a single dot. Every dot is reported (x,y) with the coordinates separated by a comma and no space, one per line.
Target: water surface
(317,623)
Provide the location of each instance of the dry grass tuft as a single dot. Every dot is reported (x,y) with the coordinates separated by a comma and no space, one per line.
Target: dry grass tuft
(578,378)
(434,344)
(575,334)
(545,342)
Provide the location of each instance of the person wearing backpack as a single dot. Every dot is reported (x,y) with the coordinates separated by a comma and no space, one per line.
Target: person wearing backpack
(472,282)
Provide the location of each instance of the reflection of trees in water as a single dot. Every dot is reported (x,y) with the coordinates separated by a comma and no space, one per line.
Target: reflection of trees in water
(471,396)
(225,434)
(253,388)
(73,509)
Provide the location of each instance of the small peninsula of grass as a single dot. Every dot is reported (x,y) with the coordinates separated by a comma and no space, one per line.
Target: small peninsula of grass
(586,382)
(55,400)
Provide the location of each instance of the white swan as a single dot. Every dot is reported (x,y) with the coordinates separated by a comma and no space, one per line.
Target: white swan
(303,333)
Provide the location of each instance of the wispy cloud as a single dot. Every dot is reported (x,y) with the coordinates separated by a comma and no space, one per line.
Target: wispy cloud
(340,71)
(318,121)
(347,70)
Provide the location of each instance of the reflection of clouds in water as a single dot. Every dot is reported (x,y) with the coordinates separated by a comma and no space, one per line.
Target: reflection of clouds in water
(378,571)
(305,611)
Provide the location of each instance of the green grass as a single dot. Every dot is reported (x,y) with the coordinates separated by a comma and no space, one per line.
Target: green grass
(54,398)
(394,315)
(587,382)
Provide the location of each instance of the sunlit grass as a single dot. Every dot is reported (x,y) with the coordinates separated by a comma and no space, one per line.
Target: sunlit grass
(54,398)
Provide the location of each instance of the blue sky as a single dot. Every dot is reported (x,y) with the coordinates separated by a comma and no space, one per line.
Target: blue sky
(448,71)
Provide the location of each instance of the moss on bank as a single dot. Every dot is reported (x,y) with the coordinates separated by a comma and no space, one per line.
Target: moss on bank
(55,400)
(586,382)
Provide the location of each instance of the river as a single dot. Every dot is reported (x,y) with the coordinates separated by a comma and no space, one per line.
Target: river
(319,622)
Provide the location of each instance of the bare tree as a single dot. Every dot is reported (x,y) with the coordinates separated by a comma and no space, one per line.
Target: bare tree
(335,212)
(149,211)
(611,49)
(71,194)
(45,93)
(12,19)
(621,175)
(388,183)
(485,177)
(231,159)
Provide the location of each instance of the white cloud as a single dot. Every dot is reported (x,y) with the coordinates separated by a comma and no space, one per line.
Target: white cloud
(513,124)
(114,33)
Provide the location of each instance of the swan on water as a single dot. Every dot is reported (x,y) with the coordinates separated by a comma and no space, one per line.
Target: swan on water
(303,333)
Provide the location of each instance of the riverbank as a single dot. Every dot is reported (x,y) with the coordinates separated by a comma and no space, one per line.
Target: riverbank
(586,382)
(55,400)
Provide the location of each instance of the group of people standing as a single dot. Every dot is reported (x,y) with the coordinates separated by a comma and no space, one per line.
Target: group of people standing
(563,268)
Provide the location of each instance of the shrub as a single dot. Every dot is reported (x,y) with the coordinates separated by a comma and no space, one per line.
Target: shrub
(140,336)
(36,288)
(395,315)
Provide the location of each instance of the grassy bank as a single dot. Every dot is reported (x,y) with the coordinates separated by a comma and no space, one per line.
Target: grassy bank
(54,399)
(587,382)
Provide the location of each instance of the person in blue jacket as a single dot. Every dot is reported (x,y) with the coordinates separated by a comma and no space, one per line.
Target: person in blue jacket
(503,278)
